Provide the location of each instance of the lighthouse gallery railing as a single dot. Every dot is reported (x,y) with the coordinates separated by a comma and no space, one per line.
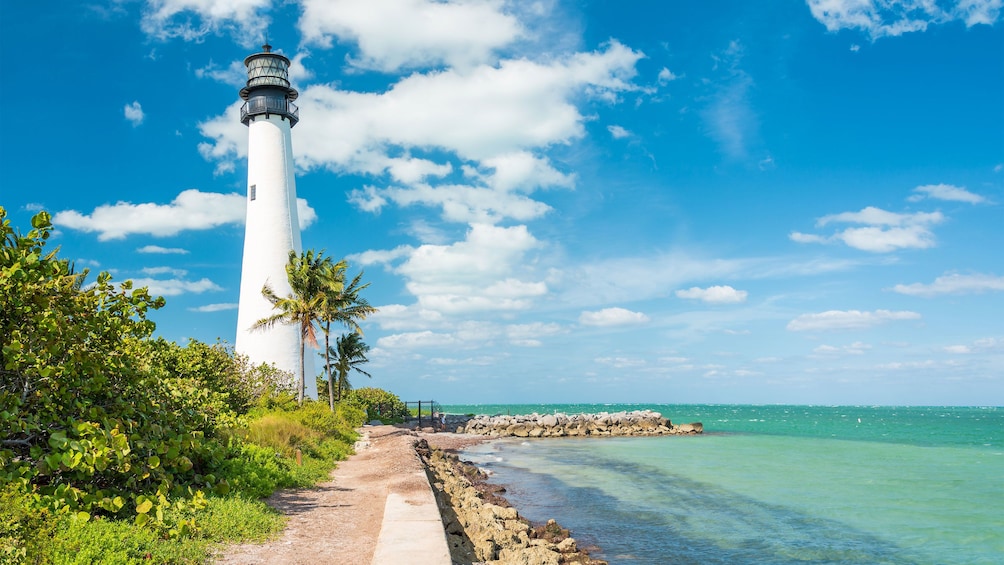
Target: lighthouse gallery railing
(270,105)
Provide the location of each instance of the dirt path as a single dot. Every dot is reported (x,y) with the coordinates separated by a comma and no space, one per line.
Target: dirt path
(339,521)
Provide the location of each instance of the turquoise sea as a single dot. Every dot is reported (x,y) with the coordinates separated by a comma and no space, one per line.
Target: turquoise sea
(769,484)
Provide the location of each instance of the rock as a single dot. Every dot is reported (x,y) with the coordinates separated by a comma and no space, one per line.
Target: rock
(567,545)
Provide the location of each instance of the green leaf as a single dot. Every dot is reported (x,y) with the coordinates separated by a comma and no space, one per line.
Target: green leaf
(58,440)
(144,507)
(142,519)
(153,461)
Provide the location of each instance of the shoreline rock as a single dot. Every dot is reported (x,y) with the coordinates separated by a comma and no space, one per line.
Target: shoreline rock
(634,423)
(482,527)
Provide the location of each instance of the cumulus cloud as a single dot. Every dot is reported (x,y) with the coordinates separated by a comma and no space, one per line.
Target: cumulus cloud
(847,319)
(416,340)
(495,122)
(882,231)
(219,307)
(528,335)
(714,294)
(890,18)
(175,287)
(482,272)
(945,192)
(396,34)
(191,210)
(612,317)
(192,20)
(134,113)
(666,76)
(162,250)
(953,283)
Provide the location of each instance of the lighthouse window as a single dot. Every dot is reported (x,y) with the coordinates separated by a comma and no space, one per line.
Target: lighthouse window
(252,192)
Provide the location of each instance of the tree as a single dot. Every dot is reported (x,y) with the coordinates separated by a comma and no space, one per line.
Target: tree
(304,306)
(344,305)
(349,353)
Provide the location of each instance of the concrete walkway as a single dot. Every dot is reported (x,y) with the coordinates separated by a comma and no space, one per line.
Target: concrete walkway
(412,531)
(377,509)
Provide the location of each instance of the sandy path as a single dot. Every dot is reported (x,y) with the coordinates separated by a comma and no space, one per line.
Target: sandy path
(339,521)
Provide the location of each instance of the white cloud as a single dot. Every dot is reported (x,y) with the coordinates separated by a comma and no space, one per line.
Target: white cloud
(856,348)
(953,284)
(945,192)
(162,250)
(222,306)
(978,346)
(714,294)
(235,74)
(527,335)
(191,210)
(620,362)
(134,113)
(890,18)
(847,319)
(174,287)
(416,340)
(244,19)
(884,231)
(666,76)
(153,271)
(483,272)
(493,122)
(395,34)
(729,116)
(618,132)
(612,317)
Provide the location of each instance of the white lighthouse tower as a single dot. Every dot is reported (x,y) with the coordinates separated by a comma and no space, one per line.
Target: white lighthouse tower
(272,229)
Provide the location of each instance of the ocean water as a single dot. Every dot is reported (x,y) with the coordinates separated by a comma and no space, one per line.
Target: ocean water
(769,485)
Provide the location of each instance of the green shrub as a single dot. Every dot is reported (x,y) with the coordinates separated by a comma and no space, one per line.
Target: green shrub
(26,531)
(378,403)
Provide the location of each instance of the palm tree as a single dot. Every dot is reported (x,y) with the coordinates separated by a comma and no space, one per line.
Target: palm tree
(344,305)
(349,352)
(304,306)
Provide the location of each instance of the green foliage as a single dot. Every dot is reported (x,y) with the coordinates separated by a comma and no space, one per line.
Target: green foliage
(235,518)
(26,531)
(109,440)
(378,403)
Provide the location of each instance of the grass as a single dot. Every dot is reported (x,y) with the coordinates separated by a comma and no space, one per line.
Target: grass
(261,459)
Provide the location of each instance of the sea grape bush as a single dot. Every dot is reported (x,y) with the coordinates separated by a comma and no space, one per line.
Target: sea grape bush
(106,432)
(86,417)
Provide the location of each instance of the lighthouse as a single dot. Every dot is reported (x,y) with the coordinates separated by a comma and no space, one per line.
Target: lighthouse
(272,229)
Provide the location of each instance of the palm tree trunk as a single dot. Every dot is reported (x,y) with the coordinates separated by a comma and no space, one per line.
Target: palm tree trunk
(303,372)
(327,365)
(339,385)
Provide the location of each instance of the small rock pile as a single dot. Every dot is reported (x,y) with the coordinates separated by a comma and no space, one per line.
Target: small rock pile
(480,525)
(635,423)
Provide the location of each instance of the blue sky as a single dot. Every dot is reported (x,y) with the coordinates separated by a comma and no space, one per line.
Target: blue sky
(645,201)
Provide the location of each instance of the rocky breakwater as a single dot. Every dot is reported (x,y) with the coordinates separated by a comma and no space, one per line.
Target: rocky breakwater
(635,423)
(482,528)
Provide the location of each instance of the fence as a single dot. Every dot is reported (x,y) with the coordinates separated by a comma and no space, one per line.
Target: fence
(430,407)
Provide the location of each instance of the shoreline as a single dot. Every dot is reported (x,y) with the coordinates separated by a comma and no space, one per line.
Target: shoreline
(480,524)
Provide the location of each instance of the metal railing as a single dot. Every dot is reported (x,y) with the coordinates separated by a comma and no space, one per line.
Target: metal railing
(430,407)
(270,105)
